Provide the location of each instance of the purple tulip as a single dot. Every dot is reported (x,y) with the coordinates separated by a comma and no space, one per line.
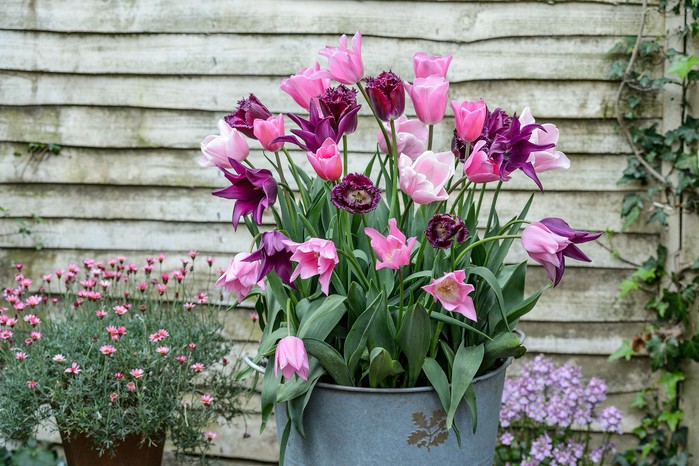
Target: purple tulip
(254,190)
(341,103)
(550,240)
(274,254)
(443,229)
(244,116)
(356,194)
(386,94)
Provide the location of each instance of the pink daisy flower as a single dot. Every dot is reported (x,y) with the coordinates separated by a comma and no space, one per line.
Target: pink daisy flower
(162,350)
(101,313)
(189,306)
(35,336)
(192,346)
(31,385)
(33,301)
(5,334)
(207,400)
(32,320)
(197,367)
(119,375)
(20,356)
(210,436)
(181,358)
(136,373)
(59,358)
(120,310)
(113,397)
(131,387)
(107,350)
(73,369)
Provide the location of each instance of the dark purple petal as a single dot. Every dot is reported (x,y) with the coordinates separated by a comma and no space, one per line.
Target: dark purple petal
(248,111)
(273,254)
(356,194)
(387,95)
(443,229)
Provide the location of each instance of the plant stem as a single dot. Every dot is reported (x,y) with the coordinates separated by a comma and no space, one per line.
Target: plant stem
(344,153)
(430,133)
(484,240)
(394,173)
(279,167)
(381,126)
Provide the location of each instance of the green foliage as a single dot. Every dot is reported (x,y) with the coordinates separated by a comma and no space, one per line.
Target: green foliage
(30,453)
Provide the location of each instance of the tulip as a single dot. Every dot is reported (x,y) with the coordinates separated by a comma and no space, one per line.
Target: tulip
(387,95)
(241,276)
(341,103)
(314,131)
(248,111)
(425,65)
(273,254)
(356,194)
(549,159)
(425,178)
(550,240)
(302,87)
(458,147)
(315,257)
(267,130)
(326,161)
(216,150)
(344,65)
(443,229)
(291,357)
(479,168)
(453,293)
(429,96)
(411,137)
(470,117)
(393,249)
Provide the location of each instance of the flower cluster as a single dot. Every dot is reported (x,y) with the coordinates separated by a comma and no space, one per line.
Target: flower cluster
(547,415)
(118,350)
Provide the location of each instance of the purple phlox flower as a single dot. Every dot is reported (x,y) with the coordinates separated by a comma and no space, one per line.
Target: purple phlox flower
(506,438)
(596,391)
(318,128)
(341,103)
(566,454)
(244,116)
(443,229)
(541,447)
(274,254)
(254,190)
(386,94)
(356,194)
(558,411)
(610,419)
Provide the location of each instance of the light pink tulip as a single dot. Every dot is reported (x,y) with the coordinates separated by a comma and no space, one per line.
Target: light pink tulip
(240,276)
(302,87)
(425,178)
(217,150)
(550,159)
(345,65)
(291,357)
(315,257)
(267,130)
(479,168)
(326,161)
(411,138)
(393,249)
(425,65)
(470,117)
(453,293)
(544,246)
(430,97)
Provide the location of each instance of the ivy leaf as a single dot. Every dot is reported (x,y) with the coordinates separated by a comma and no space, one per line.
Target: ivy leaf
(669,381)
(683,65)
(672,418)
(625,351)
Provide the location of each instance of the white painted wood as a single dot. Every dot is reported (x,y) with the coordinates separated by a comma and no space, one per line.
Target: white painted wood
(442,22)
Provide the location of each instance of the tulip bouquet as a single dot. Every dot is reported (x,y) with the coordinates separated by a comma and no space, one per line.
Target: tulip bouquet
(394,276)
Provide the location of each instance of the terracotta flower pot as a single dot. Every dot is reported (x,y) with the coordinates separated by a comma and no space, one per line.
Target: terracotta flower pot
(130,452)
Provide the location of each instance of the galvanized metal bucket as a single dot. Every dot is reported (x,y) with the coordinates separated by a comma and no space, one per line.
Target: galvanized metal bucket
(363,426)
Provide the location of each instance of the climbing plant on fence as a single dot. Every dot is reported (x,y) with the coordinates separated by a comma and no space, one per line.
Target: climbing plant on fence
(664,168)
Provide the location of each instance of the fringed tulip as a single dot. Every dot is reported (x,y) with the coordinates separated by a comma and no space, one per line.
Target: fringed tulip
(430,97)
(302,87)
(291,358)
(550,240)
(393,249)
(217,150)
(425,65)
(340,103)
(424,179)
(344,64)
(443,229)
(241,276)
(356,194)
(315,257)
(268,130)
(411,137)
(452,291)
(469,117)
(326,161)
(387,95)
(248,111)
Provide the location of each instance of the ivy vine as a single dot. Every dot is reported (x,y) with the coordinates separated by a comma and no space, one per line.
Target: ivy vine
(664,167)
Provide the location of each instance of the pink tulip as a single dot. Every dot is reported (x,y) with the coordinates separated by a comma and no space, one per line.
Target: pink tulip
(550,159)
(302,87)
(411,138)
(429,96)
(479,168)
(291,357)
(425,178)
(267,130)
(326,161)
(217,150)
(453,293)
(426,65)
(470,117)
(315,257)
(393,249)
(345,65)
(240,276)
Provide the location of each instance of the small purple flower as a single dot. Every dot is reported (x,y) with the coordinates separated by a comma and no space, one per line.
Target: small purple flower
(244,116)
(458,147)
(386,94)
(341,103)
(541,448)
(253,189)
(356,194)
(610,419)
(443,229)
(274,254)
(506,438)
(596,391)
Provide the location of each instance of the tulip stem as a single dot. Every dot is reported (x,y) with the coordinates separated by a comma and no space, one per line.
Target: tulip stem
(394,172)
(344,153)
(279,167)
(378,120)
(430,133)
(374,260)
(492,208)
(405,213)
(484,240)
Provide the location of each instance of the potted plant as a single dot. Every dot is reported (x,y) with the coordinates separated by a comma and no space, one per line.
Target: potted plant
(116,358)
(386,304)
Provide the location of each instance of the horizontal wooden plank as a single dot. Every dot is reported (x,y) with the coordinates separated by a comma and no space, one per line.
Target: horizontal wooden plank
(111,127)
(577,338)
(577,58)
(178,168)
(439,22)
(593,211)
(547,99)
